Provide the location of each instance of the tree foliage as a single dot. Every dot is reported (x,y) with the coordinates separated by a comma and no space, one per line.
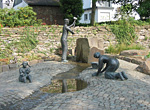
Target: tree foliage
(144,9)
(124,11)
(72,8)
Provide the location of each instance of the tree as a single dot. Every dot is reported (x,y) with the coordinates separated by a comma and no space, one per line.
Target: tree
(72,8)
(93,12)
(124,11)
(144,9)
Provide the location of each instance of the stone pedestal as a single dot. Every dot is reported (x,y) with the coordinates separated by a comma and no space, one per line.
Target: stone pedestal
(86,47)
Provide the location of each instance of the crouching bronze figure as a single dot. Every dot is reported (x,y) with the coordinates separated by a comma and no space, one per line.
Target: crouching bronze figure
(112,64)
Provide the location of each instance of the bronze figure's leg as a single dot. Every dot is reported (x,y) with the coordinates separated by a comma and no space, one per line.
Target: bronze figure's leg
(64,51)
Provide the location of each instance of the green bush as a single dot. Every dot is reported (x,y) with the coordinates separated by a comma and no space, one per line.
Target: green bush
(134,22)
(120,47)
(124,32)
(23,17)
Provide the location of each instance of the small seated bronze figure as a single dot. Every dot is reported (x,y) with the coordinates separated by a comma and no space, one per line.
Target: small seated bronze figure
(112,64)
(24,73)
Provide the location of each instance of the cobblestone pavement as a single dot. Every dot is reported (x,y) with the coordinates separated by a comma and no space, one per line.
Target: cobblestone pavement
(104,94)
(101,93)
(12,91)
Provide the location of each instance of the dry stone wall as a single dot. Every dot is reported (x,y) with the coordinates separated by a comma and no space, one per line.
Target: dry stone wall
(143,34)
(49,37)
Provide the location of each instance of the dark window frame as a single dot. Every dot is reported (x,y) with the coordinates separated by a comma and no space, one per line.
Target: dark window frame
(85,17)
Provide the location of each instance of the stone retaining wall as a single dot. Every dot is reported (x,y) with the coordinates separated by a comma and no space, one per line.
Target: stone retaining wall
(49,37)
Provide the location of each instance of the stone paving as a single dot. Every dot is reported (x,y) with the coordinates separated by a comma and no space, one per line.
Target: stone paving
(101,93)
(104,94)
(12,91)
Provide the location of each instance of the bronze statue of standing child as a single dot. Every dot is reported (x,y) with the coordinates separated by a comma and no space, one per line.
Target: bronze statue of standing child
(64,44)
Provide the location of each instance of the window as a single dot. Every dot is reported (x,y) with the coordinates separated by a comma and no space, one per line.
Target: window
(85,17)
(89,16)
(16,2)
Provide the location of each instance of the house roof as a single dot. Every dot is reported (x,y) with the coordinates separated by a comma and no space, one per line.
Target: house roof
(43,2)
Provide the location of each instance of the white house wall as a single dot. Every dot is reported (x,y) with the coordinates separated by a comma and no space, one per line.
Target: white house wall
(83,19)
(96,15)
(105,15)
(88,12)
(99,12)
(108,13)
(4,4)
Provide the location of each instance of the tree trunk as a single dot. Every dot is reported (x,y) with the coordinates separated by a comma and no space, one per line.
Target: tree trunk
(93,12)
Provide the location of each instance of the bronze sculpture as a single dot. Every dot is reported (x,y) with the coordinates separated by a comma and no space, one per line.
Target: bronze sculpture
(24,72)
(112,64)
(64,45)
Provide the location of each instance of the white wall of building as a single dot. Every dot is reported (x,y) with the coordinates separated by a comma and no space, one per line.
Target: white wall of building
(7,4)
(83,20)
(10,3)
(88,13)
(103,13)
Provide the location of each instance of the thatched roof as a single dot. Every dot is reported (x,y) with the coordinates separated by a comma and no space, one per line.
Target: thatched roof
(43,2)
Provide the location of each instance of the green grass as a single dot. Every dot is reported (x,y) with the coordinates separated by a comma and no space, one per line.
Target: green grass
(120,47)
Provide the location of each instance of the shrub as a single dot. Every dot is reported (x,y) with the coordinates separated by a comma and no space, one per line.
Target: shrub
(120,47)
(124,32)
(23,17)
(134,22)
